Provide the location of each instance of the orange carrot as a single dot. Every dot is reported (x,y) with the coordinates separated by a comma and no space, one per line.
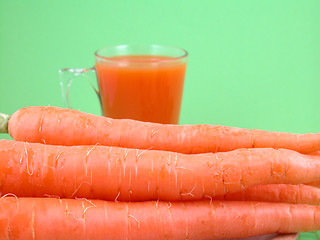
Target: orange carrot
(112,173)
(57,126)
(286,193)
(52,218)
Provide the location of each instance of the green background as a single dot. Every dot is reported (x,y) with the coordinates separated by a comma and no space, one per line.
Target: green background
(252,64)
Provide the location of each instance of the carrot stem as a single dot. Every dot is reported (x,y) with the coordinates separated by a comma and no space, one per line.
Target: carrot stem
(4,120)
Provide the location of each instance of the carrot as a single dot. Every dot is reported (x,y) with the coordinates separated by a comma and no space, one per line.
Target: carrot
(57,126)
(286,193)
(52,218)
(113,173)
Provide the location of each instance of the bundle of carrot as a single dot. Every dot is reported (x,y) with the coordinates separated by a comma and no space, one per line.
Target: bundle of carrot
(73,175)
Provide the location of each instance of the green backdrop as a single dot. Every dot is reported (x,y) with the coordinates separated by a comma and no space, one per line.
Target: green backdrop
(253,64)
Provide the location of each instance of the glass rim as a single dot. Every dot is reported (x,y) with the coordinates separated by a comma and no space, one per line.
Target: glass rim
(112,59)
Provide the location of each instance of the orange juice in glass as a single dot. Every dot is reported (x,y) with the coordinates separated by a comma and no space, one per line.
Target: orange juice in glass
(141,82)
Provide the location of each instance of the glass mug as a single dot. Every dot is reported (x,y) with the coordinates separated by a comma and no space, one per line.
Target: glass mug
(141,82)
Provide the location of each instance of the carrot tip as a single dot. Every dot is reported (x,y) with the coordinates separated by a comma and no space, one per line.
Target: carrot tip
(4,120)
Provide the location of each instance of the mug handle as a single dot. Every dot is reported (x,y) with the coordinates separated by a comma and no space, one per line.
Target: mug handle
(67,75)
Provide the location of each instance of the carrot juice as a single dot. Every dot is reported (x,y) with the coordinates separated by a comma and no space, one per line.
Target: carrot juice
(141,87)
